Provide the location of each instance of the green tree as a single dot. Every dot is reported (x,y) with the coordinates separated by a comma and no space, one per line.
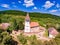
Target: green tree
(21,26)
(22,39)
(57,39)
(10,28)
(33,40)
(6,39)
(15,24)
(0,20)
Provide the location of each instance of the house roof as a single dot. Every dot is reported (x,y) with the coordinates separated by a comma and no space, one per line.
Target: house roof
(34,24)
(53,31)
(4,25)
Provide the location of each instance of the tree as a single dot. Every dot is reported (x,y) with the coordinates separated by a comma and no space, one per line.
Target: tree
(33,40)
(22,39)
(15,25)
(10,28)
(9,41)
(6,39)
(0,20)
(57,39)
(21,26)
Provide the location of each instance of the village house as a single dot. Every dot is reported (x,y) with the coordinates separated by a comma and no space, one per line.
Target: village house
(4,26)
(52,32)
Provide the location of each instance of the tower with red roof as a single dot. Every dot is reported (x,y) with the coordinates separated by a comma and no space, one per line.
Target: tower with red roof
(27,23)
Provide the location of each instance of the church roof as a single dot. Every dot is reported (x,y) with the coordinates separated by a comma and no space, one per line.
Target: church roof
(34,24)
(27,17)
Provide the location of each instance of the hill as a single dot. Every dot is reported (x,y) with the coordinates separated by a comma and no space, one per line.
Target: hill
(43,19)
(15,17)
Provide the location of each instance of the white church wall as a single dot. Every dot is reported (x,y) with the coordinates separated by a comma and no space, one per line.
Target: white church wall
(27,26)
(35,29)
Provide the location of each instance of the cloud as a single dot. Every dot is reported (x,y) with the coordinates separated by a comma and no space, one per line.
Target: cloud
(28,3)
(57,5)
(53,10)
(4,5)
(19,1)
(35,7)
(48,4)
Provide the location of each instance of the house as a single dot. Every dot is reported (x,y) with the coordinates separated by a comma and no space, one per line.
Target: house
(4,26)
(52,32)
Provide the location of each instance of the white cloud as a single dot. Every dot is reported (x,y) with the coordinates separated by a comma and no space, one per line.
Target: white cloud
(53,10)
(4,5)
(48,4)
(28,3)
(19,1)
(35,7)
(57,5)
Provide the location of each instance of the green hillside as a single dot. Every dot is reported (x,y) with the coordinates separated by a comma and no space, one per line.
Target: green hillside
(43,19)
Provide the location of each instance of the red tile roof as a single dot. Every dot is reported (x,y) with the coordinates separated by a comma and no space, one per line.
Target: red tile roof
(34,24)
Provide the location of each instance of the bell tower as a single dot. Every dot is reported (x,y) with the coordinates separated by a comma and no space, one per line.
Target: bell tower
(27,23)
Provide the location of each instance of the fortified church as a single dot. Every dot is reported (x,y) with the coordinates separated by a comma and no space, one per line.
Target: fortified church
(30,26)
(33,28)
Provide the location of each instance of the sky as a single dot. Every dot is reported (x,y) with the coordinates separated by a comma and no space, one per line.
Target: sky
(42,6)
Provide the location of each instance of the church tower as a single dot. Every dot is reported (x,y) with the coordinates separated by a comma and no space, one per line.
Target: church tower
(27,23)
